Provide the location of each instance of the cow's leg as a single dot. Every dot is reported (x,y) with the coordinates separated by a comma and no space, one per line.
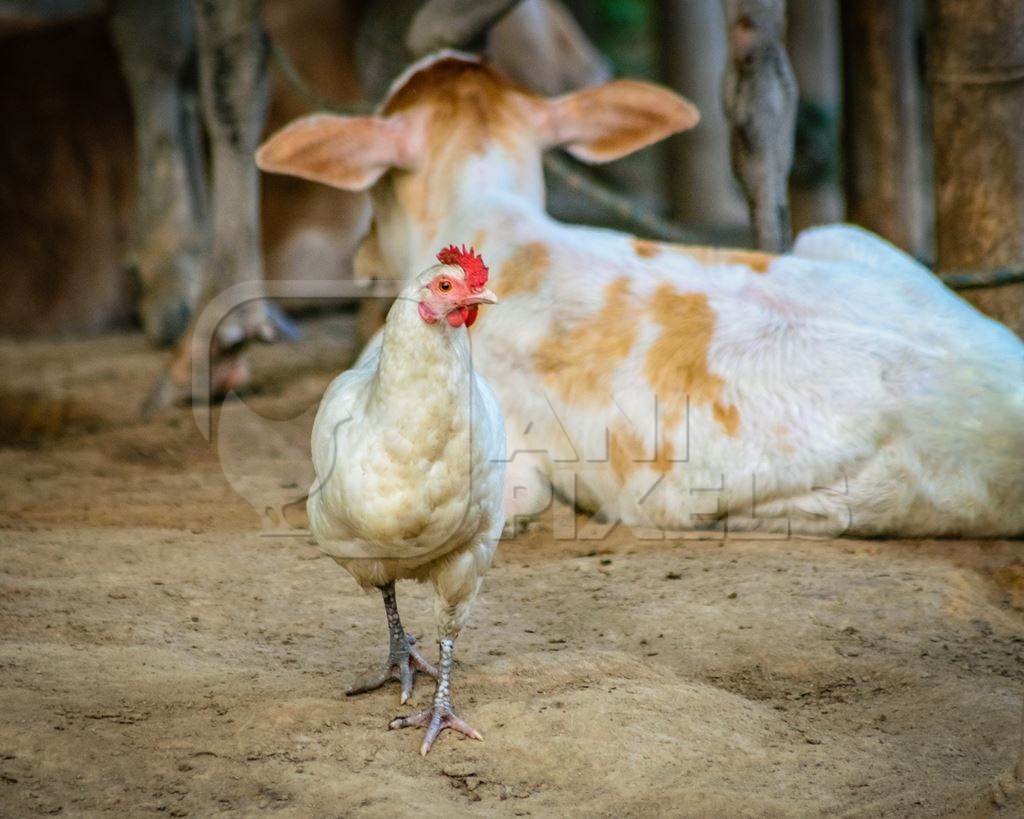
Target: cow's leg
(156,44)
(234,93)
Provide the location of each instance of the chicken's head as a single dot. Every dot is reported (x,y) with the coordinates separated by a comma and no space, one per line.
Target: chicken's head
(455,289)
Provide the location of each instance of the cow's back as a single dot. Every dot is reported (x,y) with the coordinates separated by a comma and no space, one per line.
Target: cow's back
(838,388)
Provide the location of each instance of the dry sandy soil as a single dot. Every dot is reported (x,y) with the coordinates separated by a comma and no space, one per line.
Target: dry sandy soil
(170,644)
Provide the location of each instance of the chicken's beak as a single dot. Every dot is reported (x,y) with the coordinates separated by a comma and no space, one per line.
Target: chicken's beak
(483,296)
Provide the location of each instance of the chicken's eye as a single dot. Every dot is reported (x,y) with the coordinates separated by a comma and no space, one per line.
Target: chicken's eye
(444,285)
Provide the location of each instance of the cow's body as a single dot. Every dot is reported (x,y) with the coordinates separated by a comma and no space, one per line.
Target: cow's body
(837,389)
(840,388)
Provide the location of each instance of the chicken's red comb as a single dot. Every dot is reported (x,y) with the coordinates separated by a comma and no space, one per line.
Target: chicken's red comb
(472,265)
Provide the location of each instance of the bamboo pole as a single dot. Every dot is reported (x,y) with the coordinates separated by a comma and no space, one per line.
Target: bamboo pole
(976,74)
(883,126)
(693,55)
(813,43)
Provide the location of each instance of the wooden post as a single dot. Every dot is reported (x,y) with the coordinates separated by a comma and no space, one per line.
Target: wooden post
(883,123)
(693,55)
(813,43)
(759,97)
(976,72)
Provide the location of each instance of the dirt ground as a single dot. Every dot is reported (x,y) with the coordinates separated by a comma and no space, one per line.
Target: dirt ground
(169,644)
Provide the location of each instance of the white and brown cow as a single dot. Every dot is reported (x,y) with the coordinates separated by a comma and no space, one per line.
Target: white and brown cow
(838,388)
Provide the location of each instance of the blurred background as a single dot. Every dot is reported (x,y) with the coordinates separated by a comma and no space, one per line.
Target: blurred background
(900,127)
(171,641)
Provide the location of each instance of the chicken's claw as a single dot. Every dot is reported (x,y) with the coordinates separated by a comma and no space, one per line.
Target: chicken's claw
(402,665)
(436,718)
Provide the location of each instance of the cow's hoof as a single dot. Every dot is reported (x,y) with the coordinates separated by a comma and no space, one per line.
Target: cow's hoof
(168,298)
(165,322)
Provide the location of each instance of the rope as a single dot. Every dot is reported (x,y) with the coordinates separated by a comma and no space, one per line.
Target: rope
(986,76)
(635,216)
(974,279)
(639,218)
(283,63)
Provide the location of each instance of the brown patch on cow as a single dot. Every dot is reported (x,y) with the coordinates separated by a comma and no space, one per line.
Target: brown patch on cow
(523,271)
(664,456)
(448,76)
(728,417)
(624,449)
(755,260)
(465,105)
(578,361)
(645,248)
(677,362)
(460,108)
(627,452)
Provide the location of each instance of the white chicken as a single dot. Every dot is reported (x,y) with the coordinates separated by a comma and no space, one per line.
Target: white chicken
(409,451)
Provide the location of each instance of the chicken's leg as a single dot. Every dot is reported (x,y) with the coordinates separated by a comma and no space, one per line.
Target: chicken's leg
(456,583)
(403,658)
(440,715)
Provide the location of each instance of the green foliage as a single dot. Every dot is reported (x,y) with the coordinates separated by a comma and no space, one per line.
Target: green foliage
(816,147)
(624,31)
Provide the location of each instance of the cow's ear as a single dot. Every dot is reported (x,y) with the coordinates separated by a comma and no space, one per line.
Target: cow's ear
(350,153)
(610,121)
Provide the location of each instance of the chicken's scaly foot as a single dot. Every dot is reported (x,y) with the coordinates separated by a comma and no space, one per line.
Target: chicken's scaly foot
(403,658)
(440,715)
(402,665)
(436,718)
